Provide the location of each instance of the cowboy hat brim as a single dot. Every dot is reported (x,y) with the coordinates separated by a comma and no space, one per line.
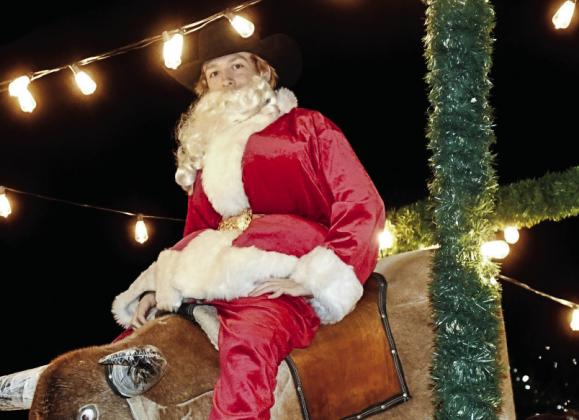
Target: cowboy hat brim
(279,50)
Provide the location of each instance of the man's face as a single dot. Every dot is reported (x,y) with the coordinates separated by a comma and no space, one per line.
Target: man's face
(231,71)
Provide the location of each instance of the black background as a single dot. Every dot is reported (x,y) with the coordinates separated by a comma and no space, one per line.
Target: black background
(61,266)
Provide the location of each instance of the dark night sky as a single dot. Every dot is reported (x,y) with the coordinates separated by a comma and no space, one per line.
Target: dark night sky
(62,265)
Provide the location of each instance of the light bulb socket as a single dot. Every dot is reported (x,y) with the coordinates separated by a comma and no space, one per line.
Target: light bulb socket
(167,35)
(74,69)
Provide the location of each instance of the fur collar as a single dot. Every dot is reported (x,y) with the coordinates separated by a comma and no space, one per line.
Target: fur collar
(222,172)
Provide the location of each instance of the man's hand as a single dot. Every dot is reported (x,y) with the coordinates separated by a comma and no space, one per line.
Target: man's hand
(146,303)
(278,287)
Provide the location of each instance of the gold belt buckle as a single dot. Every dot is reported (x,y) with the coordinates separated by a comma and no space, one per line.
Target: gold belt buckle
(240,221)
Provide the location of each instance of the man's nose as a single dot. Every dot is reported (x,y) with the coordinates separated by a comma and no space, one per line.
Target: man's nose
(227,81)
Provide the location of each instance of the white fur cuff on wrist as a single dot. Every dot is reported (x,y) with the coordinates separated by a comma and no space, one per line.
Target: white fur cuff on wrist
(333,283)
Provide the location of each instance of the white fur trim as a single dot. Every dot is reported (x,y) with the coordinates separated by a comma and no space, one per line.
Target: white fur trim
(333,283)
(286,100)
(209,267)
(125,304)
(222,172)
(206,317)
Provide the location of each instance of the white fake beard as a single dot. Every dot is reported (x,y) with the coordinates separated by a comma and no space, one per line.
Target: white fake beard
(214,112)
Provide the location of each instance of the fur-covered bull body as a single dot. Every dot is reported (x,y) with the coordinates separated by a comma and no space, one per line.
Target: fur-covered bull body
(182,388)
(77,379)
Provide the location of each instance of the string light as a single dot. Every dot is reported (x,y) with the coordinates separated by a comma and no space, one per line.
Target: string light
(495,249)
(172,49)
(19,89)
(511,234)
(562,18)
(141,234)
(386,238)
(575,320)
(85,83)
(243,26)
(574,315)
(19,86)
(5,208)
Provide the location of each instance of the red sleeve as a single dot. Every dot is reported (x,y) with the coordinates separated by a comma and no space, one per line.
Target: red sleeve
(357,211)
(335,271)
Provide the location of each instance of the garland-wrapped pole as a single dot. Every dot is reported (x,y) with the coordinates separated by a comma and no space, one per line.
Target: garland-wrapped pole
(466,369)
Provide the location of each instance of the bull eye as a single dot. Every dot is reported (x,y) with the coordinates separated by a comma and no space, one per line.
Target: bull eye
(88,412)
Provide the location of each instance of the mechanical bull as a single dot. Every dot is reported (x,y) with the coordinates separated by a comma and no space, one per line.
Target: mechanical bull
(167,369)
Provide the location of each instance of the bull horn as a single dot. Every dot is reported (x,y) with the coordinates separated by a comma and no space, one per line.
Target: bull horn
(135,370)
(17,389)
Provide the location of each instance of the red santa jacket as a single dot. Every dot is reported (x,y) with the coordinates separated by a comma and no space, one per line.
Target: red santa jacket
(322,218)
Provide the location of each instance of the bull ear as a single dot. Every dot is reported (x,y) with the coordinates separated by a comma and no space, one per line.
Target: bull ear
(135,370)
(17,389)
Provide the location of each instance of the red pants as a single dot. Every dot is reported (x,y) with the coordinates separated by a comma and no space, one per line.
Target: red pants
(255,335)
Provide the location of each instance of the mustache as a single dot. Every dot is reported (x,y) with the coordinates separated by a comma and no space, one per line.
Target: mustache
(236,102)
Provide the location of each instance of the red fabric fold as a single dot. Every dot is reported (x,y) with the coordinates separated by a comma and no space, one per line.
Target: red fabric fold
(256,334)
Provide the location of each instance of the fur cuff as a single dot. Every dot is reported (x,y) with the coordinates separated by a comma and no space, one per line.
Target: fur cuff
(125,304)
(333,283)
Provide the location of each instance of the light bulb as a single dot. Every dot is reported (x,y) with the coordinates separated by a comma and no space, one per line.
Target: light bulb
(26,102)
(511,234)
(386,239)
(84,82)
(563,17)
(19,89)
(141,234)
(5,208)
(575,320)
(243,26)
(18,85)
(495,249)
(172,49)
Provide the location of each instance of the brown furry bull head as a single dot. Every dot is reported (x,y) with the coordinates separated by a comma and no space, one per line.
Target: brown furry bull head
(116,381)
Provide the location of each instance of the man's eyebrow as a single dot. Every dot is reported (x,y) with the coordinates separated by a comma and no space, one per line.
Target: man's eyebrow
(236,56)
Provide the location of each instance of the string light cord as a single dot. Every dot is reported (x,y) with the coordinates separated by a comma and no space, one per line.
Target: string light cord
(185,30)
(74,203)
(571,305)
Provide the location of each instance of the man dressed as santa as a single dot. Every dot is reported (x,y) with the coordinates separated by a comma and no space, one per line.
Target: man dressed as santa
(282,220)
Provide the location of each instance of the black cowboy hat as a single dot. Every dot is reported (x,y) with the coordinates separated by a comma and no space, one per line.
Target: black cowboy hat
(219,38)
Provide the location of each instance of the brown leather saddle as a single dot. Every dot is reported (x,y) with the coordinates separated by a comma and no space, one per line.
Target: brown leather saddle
(352,369)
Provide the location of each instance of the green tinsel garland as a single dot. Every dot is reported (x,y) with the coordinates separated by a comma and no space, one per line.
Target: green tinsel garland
(466,369)
(555,196)
(523,204)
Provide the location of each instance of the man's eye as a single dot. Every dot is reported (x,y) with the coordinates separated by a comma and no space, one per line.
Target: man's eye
(212,74)
(238,66)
